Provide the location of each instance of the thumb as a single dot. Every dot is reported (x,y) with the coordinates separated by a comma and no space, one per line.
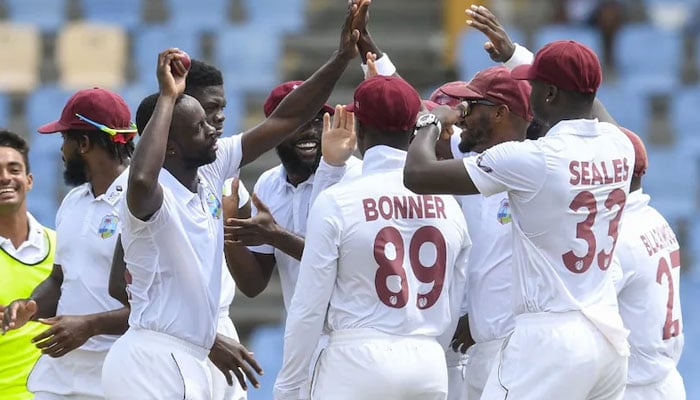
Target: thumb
(234,186)
(490,48)
(326,122)
(48,321)
(259,204)
(355,35)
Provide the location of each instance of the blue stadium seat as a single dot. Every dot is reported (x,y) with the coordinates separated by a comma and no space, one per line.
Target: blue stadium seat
(628,108)
(148,41)
(672,181)
(126,13)
(198,16)
(471,56)
(48,15)
(45,105)
(633,56)
(249,58)
(133,94)
(268,345)
(685,116)
(234,111)
(279,16)
(581,34)
(4,109)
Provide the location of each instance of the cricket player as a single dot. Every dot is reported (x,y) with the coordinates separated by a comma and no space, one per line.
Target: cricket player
(384,270)
(82,320)
(173,240)
(567,192)
(649,293)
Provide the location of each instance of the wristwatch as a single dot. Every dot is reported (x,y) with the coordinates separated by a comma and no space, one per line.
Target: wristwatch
(428,119)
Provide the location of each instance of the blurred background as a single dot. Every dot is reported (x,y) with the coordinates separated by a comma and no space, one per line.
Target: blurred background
(650,50)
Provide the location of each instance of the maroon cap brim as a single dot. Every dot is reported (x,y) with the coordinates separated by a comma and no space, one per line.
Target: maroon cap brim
(430,105)
(328,109)
(523,72)
(462,92)
(52,127)
(350,107)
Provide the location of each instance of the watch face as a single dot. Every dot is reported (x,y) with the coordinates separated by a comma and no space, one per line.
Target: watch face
(426,120)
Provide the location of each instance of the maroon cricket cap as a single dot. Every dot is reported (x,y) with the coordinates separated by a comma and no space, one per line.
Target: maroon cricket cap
(641,161)
(100,105)
(566,64)
(496,85)
(441,97)
(430,105)
(280,92)
(388,103)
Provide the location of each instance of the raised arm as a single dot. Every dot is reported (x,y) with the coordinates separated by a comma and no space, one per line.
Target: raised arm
(424,173)
(303,103)
(144,195)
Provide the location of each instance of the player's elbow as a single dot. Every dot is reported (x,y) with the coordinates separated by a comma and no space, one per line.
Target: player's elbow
(413,179)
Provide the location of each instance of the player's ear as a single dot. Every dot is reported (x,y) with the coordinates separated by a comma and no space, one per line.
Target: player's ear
(552,93)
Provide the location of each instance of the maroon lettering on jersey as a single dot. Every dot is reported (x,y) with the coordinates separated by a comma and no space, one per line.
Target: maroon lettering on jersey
(599,172)
(370,207)
(574,168)
(659,238)
(404,207)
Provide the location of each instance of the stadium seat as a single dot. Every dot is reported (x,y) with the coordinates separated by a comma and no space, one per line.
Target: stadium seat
(198,16)
(249,58)
(48,15)
(133,94)
(672,181)
(20,56)
(275,15)
(585,35)
(4,110)
(125,13)
(471,56)
(91,55)
(44,105)
(685,117)
(628,108)
(234,111)
(268,345)
(148,41)
(634,59)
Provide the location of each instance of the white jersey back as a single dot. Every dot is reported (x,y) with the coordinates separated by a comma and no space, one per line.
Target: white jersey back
(398,254)
(649,296)
(567,191)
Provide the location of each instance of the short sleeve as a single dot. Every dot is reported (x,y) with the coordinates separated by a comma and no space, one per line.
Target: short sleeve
(158,220)
(516,167)
(228,161)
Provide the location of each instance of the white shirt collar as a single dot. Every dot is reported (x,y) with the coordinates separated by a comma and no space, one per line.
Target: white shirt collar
(636,200)
(579,127)
(36,238)
(382,157)
(113,192)
(282,176)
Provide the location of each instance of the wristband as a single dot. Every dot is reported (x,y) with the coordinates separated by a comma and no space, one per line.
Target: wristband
(520,56)
(384,66)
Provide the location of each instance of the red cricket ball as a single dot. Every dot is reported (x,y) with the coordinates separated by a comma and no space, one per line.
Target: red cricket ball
(184,59)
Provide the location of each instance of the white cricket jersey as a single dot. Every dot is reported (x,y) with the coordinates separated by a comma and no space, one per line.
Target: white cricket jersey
(87,228)
(649,297)
(377,256)
(228,285)
(490,266)
(289,207)
(34,249)
(328,175)
(175,257)
(567,191)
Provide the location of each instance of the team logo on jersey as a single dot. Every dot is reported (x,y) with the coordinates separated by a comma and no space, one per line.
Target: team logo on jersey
(214,205)
(108,226)
(504,216)
(485,168)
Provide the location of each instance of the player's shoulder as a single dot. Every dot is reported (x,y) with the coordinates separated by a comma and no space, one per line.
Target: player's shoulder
(271,176)
(76,194)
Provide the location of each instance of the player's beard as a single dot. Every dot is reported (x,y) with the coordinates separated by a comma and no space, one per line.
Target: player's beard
(476,135)
(295,165)
(74,172)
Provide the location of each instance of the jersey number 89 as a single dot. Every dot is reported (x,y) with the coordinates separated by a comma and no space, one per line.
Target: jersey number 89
(393,267)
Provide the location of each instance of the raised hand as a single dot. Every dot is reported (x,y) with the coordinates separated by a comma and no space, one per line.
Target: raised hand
(360,17)
(254,231)
(449,116)
(17,314)
(230,203)
(348,35)
(499,46)
(171,82)
(67,333)
(338,140)
(230,356)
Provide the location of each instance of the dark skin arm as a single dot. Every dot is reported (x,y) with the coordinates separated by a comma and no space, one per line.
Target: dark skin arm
(41,304)
(303,103)
(117,275)
(144,195)
(424,173)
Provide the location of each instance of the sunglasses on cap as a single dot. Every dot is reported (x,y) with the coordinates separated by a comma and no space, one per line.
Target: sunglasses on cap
(118,135)
(466,111)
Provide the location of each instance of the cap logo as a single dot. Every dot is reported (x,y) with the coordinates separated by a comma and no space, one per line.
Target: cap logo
(357,105)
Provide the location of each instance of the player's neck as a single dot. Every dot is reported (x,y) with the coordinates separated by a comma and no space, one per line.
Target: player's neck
(187,176)
(15,226)
(108,171)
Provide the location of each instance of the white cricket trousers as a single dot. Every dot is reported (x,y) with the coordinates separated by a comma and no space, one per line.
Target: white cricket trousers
(481,359)
(220,388)
(554,356)
(148,365)
(669,388)
(75,376)
(370,365)
(456,375)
